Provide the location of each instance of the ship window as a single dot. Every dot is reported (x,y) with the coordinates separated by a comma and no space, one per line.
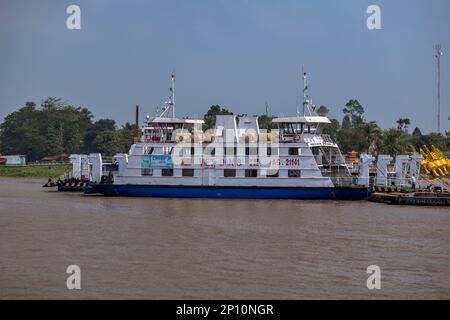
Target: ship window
(251,173)
(148,150)
(251,151)
(230,151)
(186,151)
(272,151)
(293,151)
(147,172)
(167,172)
(272,173)
(192,150)
(167,150)
(208,151)
(188,172)
(229,173)
(294,173)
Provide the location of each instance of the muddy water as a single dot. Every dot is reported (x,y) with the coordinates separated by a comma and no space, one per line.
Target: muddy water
(160,248)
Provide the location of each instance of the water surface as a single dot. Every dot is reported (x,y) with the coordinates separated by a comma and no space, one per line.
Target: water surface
(210,249)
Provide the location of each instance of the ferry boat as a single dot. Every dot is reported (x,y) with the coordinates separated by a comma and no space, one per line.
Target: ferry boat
(174,158)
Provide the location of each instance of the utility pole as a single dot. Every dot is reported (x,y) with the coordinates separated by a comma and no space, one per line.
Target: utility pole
(137,119)
(438,58)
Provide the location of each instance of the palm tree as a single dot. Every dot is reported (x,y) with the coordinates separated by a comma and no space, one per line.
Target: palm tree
(403,123)
(373,134)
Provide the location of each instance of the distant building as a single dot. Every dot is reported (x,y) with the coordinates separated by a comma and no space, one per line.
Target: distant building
(16,159)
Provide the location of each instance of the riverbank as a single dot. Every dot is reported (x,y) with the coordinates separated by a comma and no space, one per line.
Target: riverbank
(41,171)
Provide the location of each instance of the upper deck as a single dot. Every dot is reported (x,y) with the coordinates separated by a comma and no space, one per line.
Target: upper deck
(236,129)
(167,130)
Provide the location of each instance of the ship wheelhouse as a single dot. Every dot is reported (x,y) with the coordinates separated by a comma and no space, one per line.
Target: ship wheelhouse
(169,130)
(308,129)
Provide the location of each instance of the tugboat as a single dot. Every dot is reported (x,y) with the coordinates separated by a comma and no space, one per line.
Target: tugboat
(174,158)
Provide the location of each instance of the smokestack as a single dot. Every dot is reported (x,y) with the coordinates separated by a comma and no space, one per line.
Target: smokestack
(137,119)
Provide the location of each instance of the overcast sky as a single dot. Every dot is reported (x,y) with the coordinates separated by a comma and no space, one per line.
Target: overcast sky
(235,53)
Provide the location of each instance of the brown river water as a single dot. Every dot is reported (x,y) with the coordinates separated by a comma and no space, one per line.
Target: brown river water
(144,248)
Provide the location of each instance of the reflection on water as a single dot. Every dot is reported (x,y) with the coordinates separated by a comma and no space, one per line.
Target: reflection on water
(162,248)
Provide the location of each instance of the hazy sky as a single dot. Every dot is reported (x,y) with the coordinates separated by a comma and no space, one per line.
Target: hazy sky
(235,53)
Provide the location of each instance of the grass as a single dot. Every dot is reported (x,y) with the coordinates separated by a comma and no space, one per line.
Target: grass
(50,171)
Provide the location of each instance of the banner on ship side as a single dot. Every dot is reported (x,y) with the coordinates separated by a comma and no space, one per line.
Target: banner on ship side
(157,162)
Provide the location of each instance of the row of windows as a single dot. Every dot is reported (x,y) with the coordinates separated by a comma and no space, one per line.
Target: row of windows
(253,173)
(227,173)
(233,151)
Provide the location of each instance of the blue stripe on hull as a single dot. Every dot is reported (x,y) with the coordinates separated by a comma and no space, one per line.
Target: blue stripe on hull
(341,193)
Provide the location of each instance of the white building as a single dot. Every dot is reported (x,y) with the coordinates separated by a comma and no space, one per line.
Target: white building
(16,159)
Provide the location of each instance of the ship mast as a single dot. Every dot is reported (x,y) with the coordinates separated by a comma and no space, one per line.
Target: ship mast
(170,104)
(305,95)
(172,99)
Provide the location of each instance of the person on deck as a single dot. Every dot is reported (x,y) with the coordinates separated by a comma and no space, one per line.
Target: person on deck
(413,181)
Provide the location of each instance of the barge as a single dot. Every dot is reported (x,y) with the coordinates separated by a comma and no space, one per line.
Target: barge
(413,198)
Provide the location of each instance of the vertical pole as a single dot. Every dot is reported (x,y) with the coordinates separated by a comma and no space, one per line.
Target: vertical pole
(305,86)
(137,120)
(173,96)
(438,57)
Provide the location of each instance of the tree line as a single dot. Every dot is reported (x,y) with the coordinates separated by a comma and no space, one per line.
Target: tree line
(56,127)
(354,132)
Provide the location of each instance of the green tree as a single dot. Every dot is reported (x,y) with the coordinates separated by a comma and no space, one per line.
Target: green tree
(94,130)
(54,139)
(210,116)
(22,133)
(126,136)
(352,139)
(393,142)
(332,129)
(403,123)
(106,142)
(353,113)
(437,140)
(265,122)
(372,132)
(73,141)
(417,133)
(55,128)
(323,111)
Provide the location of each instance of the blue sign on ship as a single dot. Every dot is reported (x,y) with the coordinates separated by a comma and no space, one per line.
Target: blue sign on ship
(157,162)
